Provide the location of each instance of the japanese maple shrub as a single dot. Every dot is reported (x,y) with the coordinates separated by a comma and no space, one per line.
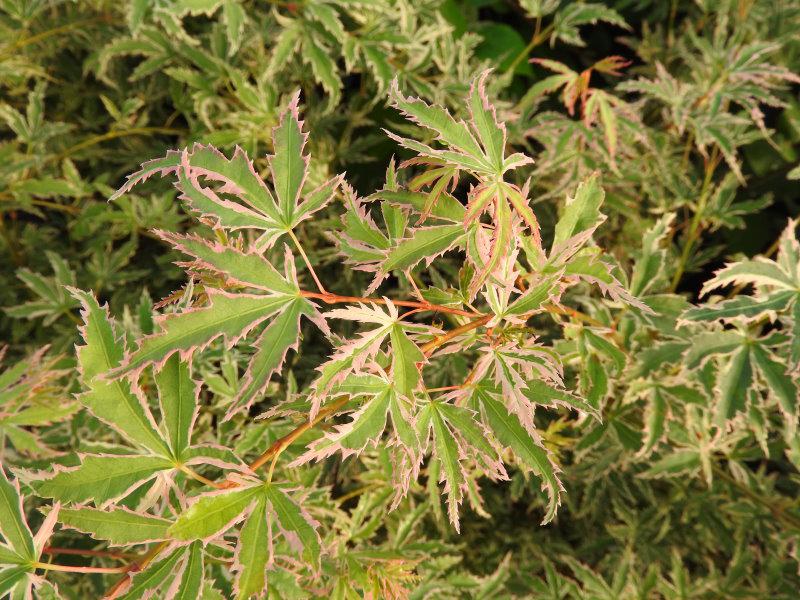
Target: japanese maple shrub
(388,382)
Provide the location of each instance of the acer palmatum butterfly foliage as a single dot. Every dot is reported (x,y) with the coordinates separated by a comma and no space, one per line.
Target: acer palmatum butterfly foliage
(387,384)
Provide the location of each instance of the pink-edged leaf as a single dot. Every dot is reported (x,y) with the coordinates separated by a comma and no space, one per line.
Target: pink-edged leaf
(243,268)
(114,401)
(177,396)
(271,347)
(228,315)
(289,165)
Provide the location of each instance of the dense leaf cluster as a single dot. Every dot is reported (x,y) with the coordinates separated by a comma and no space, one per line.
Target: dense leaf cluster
(443,312)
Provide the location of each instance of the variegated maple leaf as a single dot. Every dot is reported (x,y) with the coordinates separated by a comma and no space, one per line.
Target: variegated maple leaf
(477,148)
(242,200)
(156,451)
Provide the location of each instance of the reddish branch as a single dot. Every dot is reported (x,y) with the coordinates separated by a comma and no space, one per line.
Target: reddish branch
(334,299)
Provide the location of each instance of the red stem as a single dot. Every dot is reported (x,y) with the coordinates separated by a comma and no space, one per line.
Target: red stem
(334,298)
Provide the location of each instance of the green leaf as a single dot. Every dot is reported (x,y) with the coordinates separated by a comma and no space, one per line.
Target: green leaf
(491,134)
(510,432)
(454,133)
(229,315)
(177,394)
(532,299)
(707,344)
(426,242)
(237,173)
(192,577)
(118,525)
(111,400)
(631,440)
(367,424)
(594,381)
(405,356)
(656,419)
(779,381)
(446,207)
(152,577)
(288,165)
(448,455)
(233,15)
(273,343)
(11,577)
(12,520)
(675,463)
(9,557)
(582,212)
(213,513)
(101,478)
(743,306)
(758,271)
(324,69)
(464,422)
(540,393)
(574,14)
(252,553)
(229,215)
(291,519)
(244,268)
(502,44)
(733,384)
(603,346)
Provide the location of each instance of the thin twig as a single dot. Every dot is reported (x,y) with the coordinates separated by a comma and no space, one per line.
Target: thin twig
(335,299)
(430,347)
(81,552)
(308,262)
(72,569)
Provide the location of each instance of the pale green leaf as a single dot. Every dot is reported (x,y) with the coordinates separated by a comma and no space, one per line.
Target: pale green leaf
(229,315)
(292,520)
(405,356)
(12,520)
(582,212)
(153,577)
(177,394)
(101,478)
(734,381)
(779,381)
(118,525)
(426,242)
(192,577)
(510,432)
(214,513)
(252,553)
(111,400)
